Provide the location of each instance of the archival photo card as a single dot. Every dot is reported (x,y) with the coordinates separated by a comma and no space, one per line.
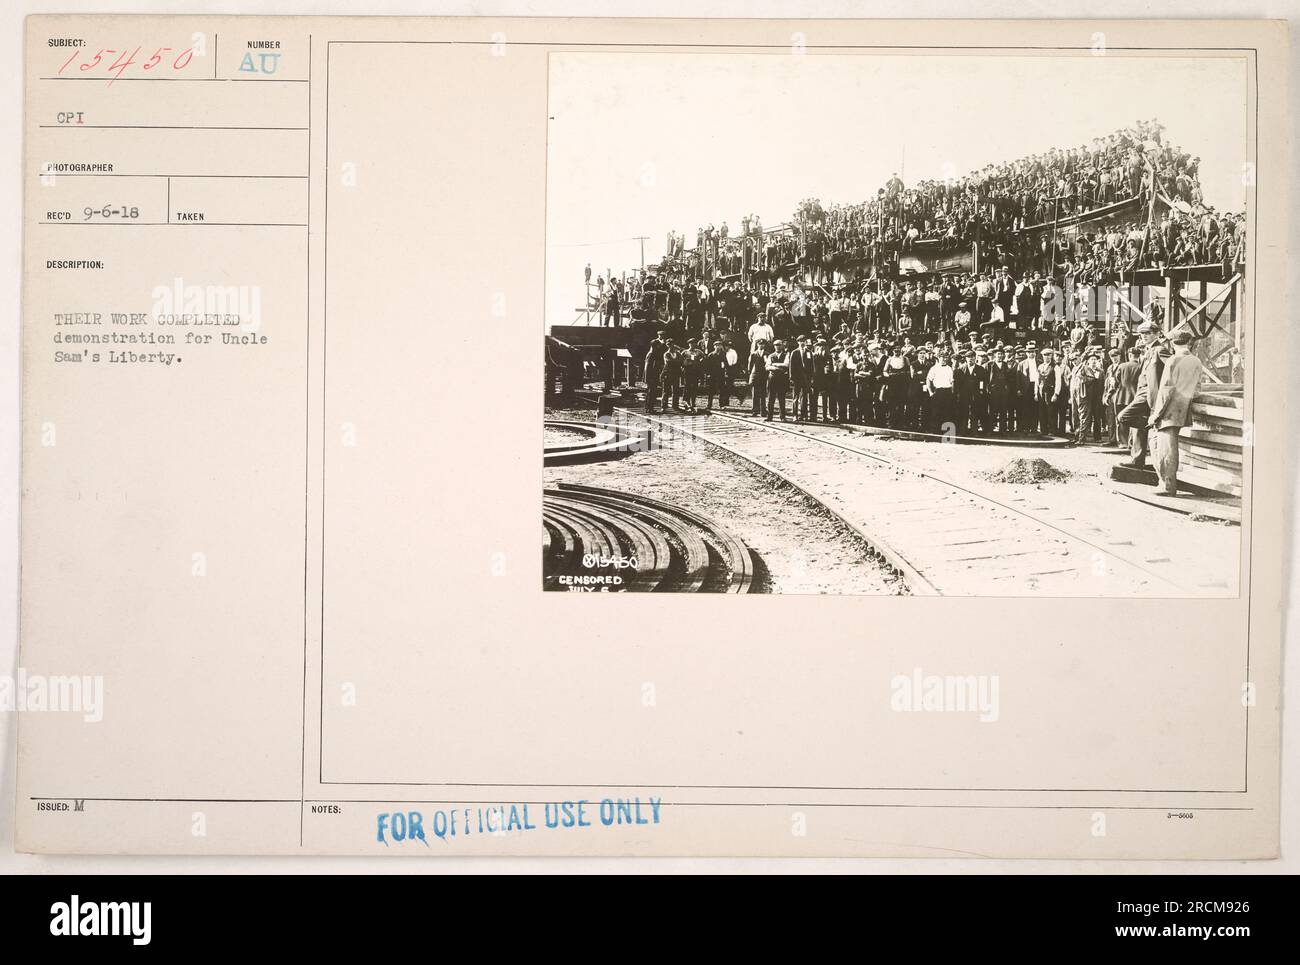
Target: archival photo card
(956,348)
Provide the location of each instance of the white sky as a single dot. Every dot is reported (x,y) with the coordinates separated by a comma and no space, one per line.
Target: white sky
(643,143)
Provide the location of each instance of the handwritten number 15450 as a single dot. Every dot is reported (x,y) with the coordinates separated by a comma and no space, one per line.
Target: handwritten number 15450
(123,60)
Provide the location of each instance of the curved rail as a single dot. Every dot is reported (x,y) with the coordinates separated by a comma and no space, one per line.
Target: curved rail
(591,531)
(599,442)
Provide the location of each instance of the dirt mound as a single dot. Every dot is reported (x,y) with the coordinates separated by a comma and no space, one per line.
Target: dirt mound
(1027,471)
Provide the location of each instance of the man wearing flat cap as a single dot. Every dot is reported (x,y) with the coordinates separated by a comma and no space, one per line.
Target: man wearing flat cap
(823,376)
(804,402)
(896,373)
(1173,409)
(654,368)
(1003,383)
(1027,388)
(778,379)
(1137,414)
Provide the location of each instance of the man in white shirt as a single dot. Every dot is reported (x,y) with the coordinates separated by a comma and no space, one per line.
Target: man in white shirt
(938,385)
(1028,417)
(933,314)
(761,331)
(709,309)
(963,317)
(983,300)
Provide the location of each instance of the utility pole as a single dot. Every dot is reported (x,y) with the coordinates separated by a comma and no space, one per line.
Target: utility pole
(1056,211)
(643,239)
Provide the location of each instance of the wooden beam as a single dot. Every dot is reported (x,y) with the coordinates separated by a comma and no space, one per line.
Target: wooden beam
(1236,322)
(1222,351)
(1230,288)
(1214,322)
(1219,314)
(1230,285)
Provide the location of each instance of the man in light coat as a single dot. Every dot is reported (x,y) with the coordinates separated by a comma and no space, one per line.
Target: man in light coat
(1173,409)
(1137,414)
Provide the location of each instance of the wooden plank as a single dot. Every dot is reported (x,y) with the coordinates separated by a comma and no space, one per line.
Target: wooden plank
(1227,400)
(1218,423)
(1210,460)
(1218,428)
(1217,412)
(1214,480)
(1200,459)
(1221,402)
(1219,472)
(1221,390)
(1211,437)
(1209,398)
(1216,449)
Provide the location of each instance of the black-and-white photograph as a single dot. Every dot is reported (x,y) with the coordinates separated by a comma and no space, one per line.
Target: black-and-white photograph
(971,324)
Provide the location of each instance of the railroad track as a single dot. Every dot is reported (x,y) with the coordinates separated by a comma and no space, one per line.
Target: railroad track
(592,537)
(944,537)
(589,442)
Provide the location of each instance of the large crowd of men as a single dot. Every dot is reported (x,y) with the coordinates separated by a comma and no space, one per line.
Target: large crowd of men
(857,247)
(816,321)
(993,205)
(886,307)
(1034,190)
(981,387)
(942,386)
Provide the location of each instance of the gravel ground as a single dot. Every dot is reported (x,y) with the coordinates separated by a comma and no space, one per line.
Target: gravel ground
(1206,552)
(555,436)
(810,552)
(800,547)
